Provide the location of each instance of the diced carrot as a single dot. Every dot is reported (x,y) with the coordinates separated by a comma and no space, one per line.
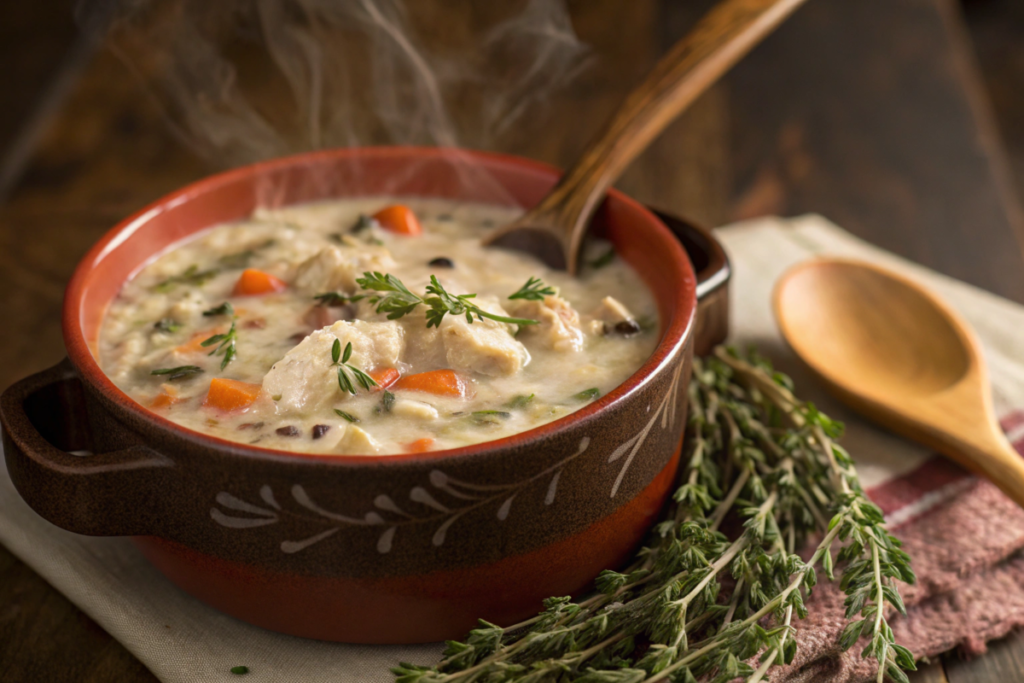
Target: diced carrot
(254,282)
(384,377)
(165,399)
(419,445)
(195,344)
(400,219)
(231,394)
(438,382)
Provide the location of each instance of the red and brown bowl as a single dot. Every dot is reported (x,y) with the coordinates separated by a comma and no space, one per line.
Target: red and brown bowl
(384,549)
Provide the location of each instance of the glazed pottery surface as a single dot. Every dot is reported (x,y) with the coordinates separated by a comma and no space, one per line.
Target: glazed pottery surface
(399,548)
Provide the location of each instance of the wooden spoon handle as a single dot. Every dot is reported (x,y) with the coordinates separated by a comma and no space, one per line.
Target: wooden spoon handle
(1000,463)
(718,41)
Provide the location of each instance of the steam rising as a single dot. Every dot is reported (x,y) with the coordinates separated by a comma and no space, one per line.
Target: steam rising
(243,80)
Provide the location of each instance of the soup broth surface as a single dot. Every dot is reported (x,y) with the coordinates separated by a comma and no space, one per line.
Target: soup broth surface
(263,331)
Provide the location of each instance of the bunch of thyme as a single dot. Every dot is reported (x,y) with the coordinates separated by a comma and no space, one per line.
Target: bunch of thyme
(713,594)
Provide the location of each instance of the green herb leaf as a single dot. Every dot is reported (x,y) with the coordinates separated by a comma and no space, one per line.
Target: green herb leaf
(337,299)
(239,670)
(588,394)
(192,276)
(340,359)
(180,372)
(346,416)
(534,290)
(387,401)
(520,401)
(168,325)
(225,345)
(224,309)
(243,258)
(603,260)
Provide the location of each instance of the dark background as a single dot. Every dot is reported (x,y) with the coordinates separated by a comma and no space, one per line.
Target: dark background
(901,120)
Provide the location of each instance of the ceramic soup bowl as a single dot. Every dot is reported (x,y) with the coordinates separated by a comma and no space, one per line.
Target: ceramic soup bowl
(367,549)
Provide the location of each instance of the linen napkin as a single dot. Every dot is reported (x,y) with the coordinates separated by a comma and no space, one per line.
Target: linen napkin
(961,532)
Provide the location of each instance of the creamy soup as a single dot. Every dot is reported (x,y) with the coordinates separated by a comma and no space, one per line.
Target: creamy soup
(372,326)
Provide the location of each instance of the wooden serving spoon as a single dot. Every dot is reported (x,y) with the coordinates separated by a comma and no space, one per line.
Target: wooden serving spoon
(893,351)
(554,229)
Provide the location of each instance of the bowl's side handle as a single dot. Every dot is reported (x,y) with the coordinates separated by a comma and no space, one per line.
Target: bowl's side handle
(103,494)
(711,266)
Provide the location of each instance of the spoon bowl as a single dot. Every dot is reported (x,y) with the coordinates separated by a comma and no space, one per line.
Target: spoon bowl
(894,351)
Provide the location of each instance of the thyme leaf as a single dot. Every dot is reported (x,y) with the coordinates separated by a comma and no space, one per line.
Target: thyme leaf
(534,290)
(168,325)
(225,345)
(191,276)
(340,360)
(180,372)
(346,416)
(588,394)
(337,299)
(224,309)
(603,260)
(243,258)
(520,401)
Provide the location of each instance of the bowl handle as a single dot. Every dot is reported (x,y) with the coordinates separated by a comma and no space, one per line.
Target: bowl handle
(104,494)
(711,266)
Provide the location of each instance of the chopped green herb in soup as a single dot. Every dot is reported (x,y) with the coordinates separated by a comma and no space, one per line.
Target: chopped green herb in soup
(371,327)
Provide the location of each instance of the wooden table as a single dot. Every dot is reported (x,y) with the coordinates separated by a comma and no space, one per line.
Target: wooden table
(869,112)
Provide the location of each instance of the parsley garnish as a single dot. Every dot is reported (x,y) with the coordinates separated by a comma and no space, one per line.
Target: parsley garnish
(191,276)
(180,372)
(341,360)
(588,394)
(398,301)
(387,401)
(534,290)
(225,345)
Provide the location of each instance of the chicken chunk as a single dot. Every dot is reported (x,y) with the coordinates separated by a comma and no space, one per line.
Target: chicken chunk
(305,379)
(558,323)
(357,442)
(485,346)
(612,317)
(336,268)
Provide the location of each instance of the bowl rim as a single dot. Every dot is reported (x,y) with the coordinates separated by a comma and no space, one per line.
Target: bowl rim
(675,335)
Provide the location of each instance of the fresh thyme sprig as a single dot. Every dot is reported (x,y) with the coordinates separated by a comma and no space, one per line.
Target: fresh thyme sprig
(225,345)
(340,359)
(758,456)
(534,290)
(397,301)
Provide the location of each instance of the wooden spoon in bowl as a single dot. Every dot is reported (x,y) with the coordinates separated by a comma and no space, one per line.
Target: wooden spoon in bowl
(553,230)
(896,353)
